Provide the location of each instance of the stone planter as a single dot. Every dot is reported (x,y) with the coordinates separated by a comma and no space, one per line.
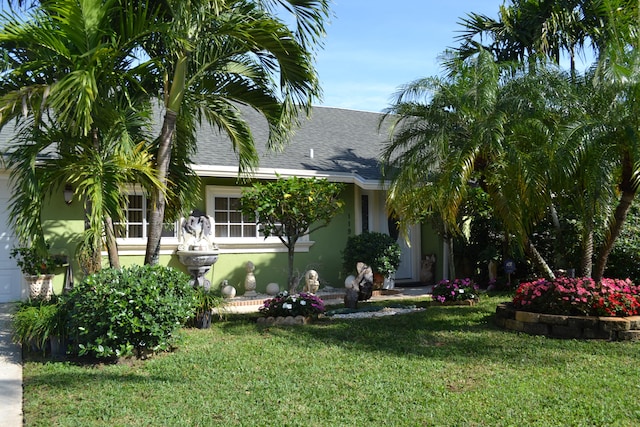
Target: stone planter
(288,320)
(40,286)
(573,327)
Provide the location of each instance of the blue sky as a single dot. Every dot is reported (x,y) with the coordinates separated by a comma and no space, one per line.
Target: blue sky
(374,46)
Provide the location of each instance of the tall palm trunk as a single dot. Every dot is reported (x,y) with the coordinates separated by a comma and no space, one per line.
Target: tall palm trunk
(619,217)
(628,189)
(538,261)
(112,245)
(163,160)
(586,263)
(159,198)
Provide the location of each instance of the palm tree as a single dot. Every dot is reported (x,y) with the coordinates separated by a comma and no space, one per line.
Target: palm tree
(460,131)
(72,86)
(607,139)
(216,55)
(529,31)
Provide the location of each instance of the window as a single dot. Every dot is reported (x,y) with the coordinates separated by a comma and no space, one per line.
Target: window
(233,231)
(229,221)
(137,214)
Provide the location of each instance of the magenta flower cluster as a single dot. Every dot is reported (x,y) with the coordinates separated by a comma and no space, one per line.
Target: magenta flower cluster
(284,304)
(455,290)
(579,296)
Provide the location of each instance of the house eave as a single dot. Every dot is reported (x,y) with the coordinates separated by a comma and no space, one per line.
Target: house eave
(272,173)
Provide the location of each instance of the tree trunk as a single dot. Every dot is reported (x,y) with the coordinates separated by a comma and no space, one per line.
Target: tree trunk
(293,279)
(158,197)
(538,261)
(163,160)
(586,263)
(619,217)
(112,245)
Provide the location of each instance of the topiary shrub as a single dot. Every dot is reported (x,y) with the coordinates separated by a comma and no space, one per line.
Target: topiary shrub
(131,311)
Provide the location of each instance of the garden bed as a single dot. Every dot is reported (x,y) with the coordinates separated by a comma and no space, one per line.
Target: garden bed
(561,326)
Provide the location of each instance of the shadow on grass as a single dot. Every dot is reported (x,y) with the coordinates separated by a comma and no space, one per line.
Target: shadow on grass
(446,333)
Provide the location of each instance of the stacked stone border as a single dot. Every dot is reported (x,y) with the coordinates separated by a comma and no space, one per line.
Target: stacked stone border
(560,326)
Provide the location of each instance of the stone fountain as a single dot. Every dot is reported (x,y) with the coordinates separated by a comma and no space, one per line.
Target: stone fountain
(196,250)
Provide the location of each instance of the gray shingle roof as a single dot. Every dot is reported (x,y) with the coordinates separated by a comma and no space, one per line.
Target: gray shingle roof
(343,142)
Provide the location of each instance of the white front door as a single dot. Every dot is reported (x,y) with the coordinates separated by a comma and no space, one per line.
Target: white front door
(10,276)
(373,217)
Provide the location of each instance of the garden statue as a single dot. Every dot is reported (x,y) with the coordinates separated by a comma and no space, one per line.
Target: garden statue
(361,288)
(196,232)
(196,249)
(250,280)
(311,282)
(427,270)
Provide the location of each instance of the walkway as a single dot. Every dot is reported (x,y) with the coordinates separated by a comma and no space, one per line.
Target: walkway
(10,372)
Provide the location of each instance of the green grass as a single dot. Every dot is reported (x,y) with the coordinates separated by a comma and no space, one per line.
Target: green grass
(445,366)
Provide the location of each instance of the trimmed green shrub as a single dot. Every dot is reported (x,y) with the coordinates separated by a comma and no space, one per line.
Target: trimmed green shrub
(134,310)
(379,251)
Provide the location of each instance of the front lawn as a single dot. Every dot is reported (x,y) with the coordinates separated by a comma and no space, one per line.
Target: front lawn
(444,366)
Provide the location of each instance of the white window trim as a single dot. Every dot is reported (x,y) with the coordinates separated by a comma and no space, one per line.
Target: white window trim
(137,245)
(246,245)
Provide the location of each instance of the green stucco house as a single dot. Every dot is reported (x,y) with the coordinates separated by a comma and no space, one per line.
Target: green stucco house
(337,144)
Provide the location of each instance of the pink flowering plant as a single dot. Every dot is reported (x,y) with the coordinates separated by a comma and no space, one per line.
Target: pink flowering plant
(455,290)
(579,296)
(285,304)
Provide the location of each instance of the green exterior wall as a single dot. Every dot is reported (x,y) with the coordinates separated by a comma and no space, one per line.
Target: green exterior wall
(64,225)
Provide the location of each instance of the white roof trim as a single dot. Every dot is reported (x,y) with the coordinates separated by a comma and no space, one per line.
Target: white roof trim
(272,173)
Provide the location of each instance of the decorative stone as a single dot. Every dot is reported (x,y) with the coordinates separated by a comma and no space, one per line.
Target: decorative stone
(273,289)
(250,280)
(284,320)
(349,281)
(311,282)
(228,291)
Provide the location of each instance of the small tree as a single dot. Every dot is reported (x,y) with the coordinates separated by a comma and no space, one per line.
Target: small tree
(289,208)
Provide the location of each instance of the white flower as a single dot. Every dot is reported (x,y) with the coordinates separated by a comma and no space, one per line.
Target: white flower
(287,306)
(303,302)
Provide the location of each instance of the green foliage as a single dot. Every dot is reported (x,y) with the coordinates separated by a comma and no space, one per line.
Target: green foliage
(205,301)
(458,369)
(378,250)
(291,208)
(34,260)
(624,260)
(288,208)
(37,320)
(135,309)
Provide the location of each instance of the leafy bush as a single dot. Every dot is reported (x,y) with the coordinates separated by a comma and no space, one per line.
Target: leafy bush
(379,251)
(283,304)
(135,309)
(579,296)
(35,261)
(455,290)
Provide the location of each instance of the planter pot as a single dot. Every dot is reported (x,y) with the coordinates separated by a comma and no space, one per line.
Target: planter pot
(58,346)
(203,320)
(40,286)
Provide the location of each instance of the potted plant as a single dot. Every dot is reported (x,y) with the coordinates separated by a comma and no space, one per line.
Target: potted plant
(379,251)
(39,322)
(205,303)
(37,265)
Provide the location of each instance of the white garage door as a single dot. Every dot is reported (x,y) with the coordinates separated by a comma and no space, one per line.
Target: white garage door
(10,276)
